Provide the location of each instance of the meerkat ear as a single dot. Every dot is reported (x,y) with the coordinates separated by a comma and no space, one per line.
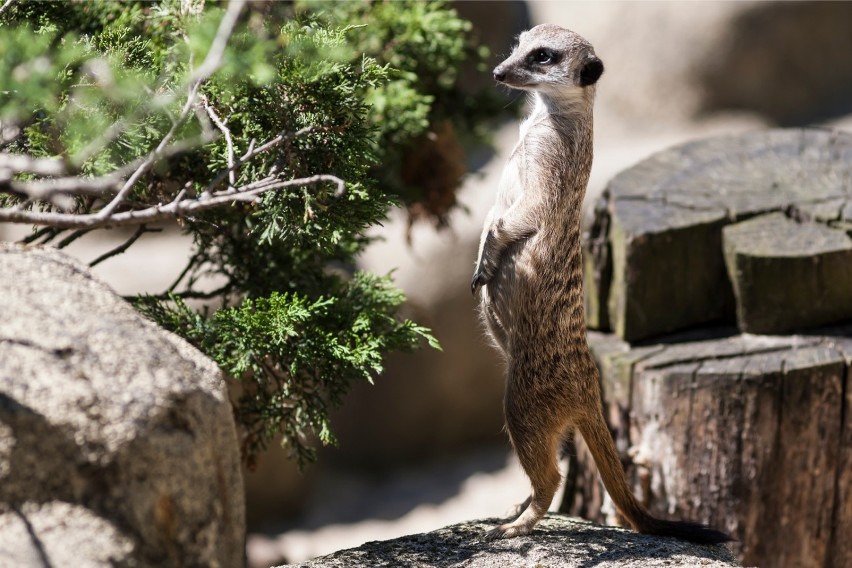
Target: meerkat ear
(591,71)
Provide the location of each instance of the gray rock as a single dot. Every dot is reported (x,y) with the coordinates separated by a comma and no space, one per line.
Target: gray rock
(60,534)
(558,541)
(124,423)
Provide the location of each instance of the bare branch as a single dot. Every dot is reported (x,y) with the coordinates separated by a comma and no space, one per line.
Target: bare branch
(194,295)
(172,210)
(71,238)
(125,245)
(47,189)
(6,5)
(211,62)
(232,176)
(21,163)
(217,49)
(189,266)
(252,152)
(50,232)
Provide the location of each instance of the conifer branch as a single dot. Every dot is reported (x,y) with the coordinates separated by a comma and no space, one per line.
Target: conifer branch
(54,185)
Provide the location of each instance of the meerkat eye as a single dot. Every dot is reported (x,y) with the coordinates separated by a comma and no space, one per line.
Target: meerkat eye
(542,56)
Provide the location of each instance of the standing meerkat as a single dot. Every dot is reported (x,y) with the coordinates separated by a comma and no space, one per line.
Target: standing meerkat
(530,280)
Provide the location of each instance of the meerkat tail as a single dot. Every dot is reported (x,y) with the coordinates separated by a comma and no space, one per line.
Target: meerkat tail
(596,434)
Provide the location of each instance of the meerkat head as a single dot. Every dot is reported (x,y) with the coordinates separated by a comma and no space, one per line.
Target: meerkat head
(553,61)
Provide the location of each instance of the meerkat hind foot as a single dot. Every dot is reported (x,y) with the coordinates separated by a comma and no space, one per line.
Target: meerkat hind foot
(520,526)
(509,530)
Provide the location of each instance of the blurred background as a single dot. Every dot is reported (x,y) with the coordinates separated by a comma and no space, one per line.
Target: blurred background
(424,447)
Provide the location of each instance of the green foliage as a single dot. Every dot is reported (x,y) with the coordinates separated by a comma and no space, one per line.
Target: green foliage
(297,355)
(425,46)
(101,84)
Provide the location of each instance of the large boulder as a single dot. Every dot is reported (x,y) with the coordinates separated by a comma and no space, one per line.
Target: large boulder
(60,534)
(558,542)
(117,442)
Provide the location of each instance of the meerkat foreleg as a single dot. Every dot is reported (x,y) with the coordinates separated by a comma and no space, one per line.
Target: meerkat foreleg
(508,229)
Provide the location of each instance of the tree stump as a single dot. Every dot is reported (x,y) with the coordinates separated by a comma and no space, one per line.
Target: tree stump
(654,256)
(750,434)
(788,275)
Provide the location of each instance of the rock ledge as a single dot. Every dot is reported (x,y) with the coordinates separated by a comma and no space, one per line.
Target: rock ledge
(558,541)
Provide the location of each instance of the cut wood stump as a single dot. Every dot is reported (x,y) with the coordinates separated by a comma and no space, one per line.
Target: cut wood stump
(788,275)
(654,255)
(750,434)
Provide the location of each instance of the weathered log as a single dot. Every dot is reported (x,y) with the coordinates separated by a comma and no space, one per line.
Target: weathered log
(664,218)
(747,433)
(788,275)
(666,267)
(840,551)
(597,271)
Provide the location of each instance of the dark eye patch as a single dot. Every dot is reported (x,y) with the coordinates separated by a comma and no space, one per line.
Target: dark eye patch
(542,56)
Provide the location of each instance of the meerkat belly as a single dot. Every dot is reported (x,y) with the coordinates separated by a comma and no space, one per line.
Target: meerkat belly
(517,292)
(536,296)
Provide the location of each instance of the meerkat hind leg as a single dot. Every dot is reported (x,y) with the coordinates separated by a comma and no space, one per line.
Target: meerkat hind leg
(515,511)
(539,461)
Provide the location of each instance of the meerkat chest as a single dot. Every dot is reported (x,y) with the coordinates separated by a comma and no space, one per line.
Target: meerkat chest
(511,187)
(518,175)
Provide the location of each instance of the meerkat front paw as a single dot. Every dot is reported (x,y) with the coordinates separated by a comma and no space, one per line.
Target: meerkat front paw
(483,273)
(478,281)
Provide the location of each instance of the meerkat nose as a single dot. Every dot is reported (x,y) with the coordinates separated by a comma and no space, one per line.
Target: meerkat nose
(499,74)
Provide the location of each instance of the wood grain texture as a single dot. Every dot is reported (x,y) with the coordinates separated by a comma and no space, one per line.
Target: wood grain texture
(747,433)
(655,249)
(788,275)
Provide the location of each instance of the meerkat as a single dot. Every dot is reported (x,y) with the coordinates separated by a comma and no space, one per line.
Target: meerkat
(529,279)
